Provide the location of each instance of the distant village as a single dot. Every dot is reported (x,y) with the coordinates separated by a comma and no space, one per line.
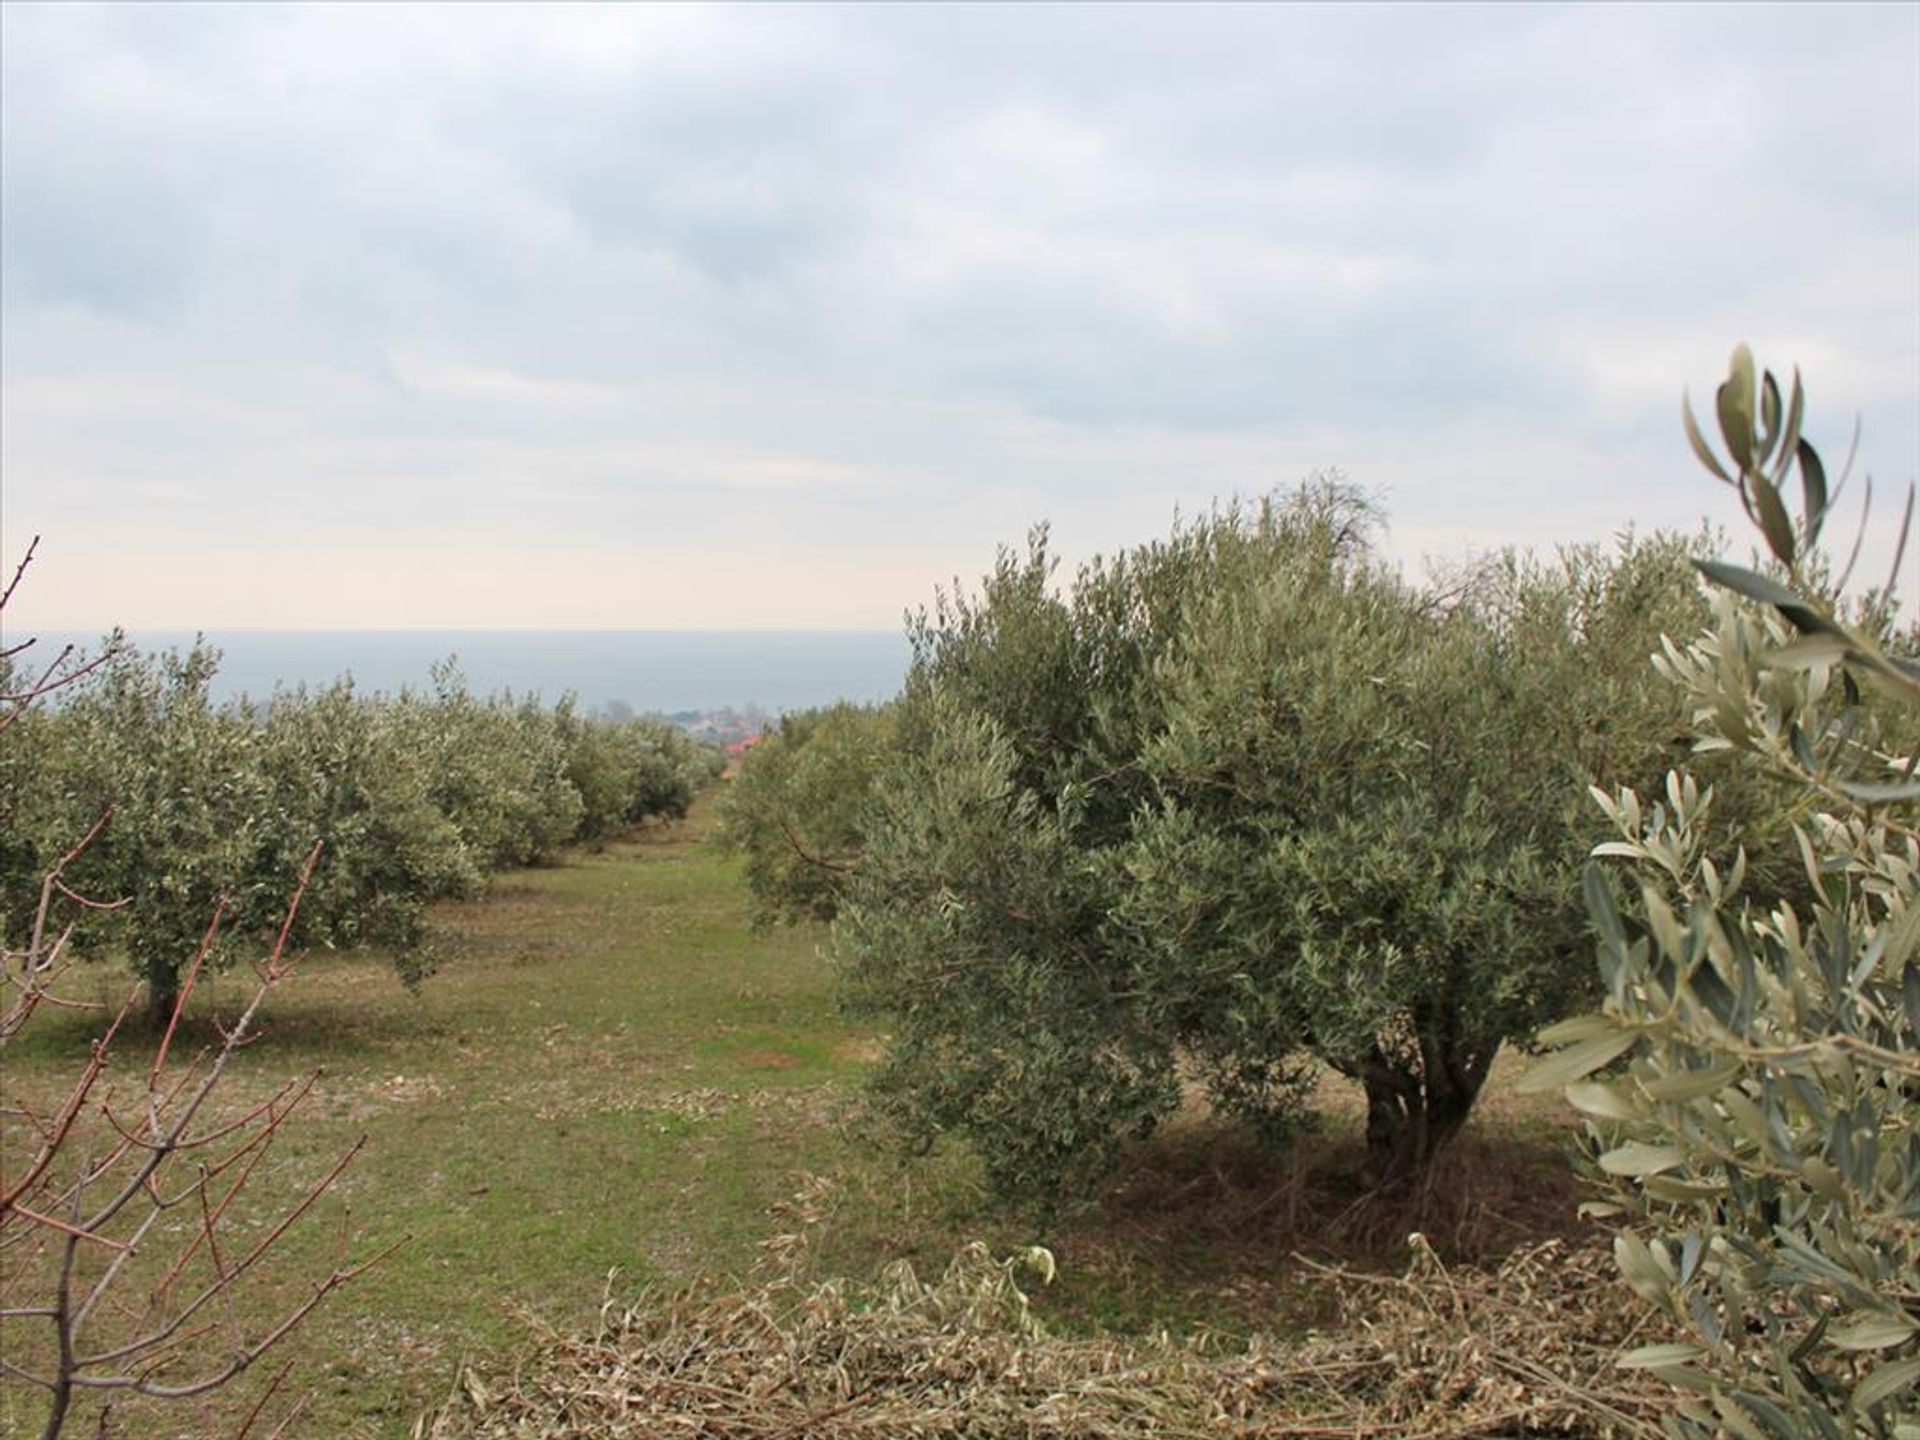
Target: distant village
(736,727)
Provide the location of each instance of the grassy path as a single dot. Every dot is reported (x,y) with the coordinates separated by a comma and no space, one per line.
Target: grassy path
(608,1073)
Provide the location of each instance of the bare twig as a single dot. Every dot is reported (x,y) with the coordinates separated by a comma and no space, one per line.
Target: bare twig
(38,964)
(109,1194)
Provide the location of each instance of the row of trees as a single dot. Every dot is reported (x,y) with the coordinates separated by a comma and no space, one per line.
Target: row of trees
(415,798)
(1226,807)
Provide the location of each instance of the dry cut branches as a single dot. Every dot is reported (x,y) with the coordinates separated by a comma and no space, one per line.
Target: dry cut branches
(1527,1348)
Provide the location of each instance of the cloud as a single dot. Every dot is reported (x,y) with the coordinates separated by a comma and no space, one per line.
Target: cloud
(634,284)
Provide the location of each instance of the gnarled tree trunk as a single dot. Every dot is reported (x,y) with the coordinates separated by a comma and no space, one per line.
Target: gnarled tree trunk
(1415,1105)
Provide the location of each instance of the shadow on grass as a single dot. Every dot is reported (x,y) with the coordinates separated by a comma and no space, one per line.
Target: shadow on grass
(300,1029)
(1226,1234)
(1201,1228)
(1486,1195)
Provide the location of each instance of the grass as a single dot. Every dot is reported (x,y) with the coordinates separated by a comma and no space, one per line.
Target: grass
(612,1076)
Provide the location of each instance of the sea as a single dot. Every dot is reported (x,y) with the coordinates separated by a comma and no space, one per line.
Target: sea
(646,672)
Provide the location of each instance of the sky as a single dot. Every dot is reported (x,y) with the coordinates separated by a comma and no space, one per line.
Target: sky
(779,317)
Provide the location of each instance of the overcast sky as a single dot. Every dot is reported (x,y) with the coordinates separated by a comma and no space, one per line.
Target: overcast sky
(777,317)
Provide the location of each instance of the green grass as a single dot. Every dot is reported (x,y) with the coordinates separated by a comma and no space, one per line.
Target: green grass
(611,1075)
(609,1072)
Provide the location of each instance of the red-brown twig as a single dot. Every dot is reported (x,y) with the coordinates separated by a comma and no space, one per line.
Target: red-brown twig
(142,1143)
(55,675)
(39,962)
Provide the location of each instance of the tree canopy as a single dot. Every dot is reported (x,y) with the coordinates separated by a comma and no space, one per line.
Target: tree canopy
(1235,804)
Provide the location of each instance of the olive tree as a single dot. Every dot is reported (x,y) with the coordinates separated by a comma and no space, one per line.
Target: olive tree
(973,931)
(211,806)
(1764,1125)
(497,768)
(630,770)
(1365,843)
(141,741)
(413,799)
(337,768)
(106,1292)
(799,809)
(983,925)
(1233,803)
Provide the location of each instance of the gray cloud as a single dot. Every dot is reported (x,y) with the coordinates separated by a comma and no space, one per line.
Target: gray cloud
(886,284)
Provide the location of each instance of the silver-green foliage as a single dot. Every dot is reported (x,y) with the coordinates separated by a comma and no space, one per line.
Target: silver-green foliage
(1362,846)
(414,799)
(337,767)
(632,770)
(981,927)
(496,766)
(1232,802)
(798,810)
(141,738)
(976,931)
(1764,1124)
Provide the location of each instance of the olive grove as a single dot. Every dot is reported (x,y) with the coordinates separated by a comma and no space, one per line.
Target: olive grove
(416,797)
